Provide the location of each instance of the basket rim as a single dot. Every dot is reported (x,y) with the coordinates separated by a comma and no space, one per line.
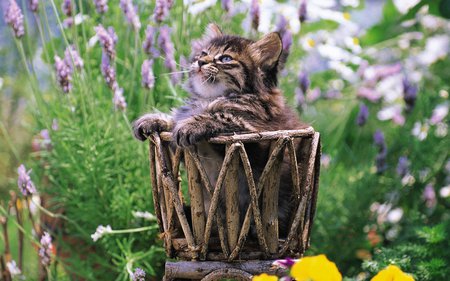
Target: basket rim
(252,137)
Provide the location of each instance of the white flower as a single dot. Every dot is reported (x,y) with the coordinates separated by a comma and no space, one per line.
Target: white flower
(391,88)
(196,7)
(100,231)
(350,3)
(441,130)
(439,113)
(395,215)
(445,191)
(333,52)
(145,215)
(346,72)
(13,269)
(437,47)
(393,112)
(420,130)
(403,6)
(34,203)
(408,179)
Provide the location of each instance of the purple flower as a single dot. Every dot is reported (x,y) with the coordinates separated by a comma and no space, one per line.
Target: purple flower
(45,251)
(138,274)
(409,94)
(161,10)
(148,79)
(284,263)
(101,6)
(255,13)
(72,58)
(67,7)
(63,74)
(167,48)
(302,11)
(130,12)
(34,5)
(380,159)
(14,17)
(119,99)
(108,40)
(26,186)
(304,81)
(429,196)
(227,4)
(299,98)
(281,24)
(286,40)
(403,166)
(369,94)
(363,114)
(147,45)
(108,71)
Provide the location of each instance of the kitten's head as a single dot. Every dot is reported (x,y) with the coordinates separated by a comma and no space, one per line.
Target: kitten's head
(225,64)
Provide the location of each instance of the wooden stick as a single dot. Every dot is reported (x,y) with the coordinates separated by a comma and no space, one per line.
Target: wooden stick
(232,201)
(254,198)
(197,201)
(153,176)
(270,200)
(313,201)
(294,170)
(217,190)
(209,188)
(252,137)
(198,270)
(169,184)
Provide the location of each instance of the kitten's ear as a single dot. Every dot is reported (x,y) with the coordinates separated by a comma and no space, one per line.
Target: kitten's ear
(266,51)
(212,31)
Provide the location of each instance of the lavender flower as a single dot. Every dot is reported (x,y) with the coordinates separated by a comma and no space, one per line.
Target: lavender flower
(161,10)
(304,81)
(403,166)
(63,74)
(380,159)
(67,7)
(45,251)
(363,114)
(439,113)
(409,94)
(429,196)
(101,6)
(167,47)
(227,4)
(302,11)
(299,98)
(286,39)
(108,40)
(130,12)
(119,99)
(14,17)
(13,269)
(147,45)
(100,231)
(34,5)
(255,13)
(148,79)
(138,274)
(72,58)
(108,71)
(281,24)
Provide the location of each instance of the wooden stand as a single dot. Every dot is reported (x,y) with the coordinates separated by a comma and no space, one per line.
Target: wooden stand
(218,234)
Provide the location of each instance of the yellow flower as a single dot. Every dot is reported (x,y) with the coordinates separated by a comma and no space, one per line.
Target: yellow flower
(265,277)
(316,268)
(392,273)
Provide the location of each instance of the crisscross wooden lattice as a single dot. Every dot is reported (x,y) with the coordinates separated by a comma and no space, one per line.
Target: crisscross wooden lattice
(219,232)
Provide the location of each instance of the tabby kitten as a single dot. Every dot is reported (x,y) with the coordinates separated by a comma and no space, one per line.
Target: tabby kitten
(233,87)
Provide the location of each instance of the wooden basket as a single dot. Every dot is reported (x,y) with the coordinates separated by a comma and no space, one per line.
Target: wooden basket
(195,238)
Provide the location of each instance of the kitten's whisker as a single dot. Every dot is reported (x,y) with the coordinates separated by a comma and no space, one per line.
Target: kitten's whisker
(180,65)
(175,72)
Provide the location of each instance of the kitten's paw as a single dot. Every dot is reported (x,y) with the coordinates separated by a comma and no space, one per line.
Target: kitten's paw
(149,123)
(188,134)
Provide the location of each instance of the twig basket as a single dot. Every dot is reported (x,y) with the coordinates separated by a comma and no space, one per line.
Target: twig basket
(218,234)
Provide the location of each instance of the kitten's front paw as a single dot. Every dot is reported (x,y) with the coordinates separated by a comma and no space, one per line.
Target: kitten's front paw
(188,134)
(149,123)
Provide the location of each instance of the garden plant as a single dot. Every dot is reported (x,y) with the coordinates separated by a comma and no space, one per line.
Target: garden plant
(371,76)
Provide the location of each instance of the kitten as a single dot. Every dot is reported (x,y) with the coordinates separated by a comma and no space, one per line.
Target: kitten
(233,87)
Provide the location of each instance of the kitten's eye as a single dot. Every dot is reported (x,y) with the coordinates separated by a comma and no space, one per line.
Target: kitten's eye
(225,58)
(203,54)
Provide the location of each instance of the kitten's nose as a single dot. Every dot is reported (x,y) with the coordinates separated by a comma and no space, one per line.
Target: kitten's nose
(201,62)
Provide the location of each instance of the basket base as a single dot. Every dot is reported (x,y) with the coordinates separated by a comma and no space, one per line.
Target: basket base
(214,270)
